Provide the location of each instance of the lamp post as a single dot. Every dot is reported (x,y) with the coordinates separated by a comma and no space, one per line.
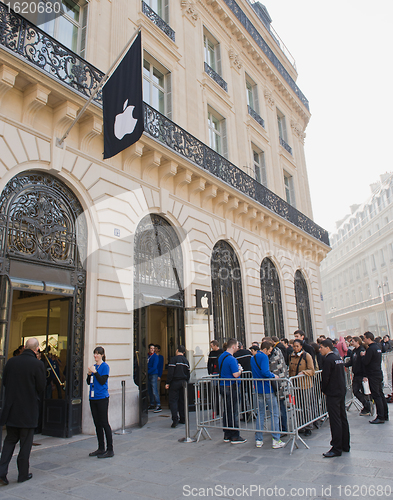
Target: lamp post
(380,286)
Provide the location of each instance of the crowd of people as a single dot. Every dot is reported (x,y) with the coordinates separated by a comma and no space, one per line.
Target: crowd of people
(278,358)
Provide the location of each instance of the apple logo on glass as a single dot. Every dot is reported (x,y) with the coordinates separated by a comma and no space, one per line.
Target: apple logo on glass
(125,122)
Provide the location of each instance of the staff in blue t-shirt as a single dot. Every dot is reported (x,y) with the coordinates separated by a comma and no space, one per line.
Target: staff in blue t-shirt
(97,378)
(230,369)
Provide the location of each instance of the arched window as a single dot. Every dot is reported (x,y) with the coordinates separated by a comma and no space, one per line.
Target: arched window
(271,300)
(303,305)
(228,311)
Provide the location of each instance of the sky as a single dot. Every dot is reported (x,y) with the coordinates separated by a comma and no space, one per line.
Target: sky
(343,52)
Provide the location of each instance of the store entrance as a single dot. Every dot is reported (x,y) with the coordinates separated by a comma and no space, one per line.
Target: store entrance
(159,325)
(47,317)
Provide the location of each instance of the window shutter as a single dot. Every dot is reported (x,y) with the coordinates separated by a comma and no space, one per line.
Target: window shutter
(292,192)
(166,11)
(82,51)
(256,101)
(284,129)
(224,138)
(168,95)
(217,51)
(263,169)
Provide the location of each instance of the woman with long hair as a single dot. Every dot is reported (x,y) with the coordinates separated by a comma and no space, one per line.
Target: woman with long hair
(97,378)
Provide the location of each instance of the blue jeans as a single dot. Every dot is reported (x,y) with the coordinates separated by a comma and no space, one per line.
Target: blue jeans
(283,411)
(269,400)
(154,397)
(230,410)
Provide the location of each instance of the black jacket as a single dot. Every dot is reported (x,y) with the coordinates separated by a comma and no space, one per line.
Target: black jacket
(178,369)
(212,362)
(372,360)
(356,362)
(243,357)
(333,376)
(308,348)
(24,381)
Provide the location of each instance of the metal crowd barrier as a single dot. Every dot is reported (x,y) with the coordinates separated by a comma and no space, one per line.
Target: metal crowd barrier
(288,405)
(387,361)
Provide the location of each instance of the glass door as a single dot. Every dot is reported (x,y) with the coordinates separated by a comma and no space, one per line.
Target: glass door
(197,322)
(140,361)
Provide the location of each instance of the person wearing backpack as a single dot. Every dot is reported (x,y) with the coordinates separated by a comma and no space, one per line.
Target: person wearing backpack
(266,395)
(229,389)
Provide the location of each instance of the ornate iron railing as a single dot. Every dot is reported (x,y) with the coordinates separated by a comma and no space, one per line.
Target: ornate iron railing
(285,145)
(266,49)
(255,115)
(38,48)
(33,45)
(216,77)
(158,21)
(177,139)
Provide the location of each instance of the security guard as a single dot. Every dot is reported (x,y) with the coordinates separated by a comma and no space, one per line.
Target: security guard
(372,360)
(178,373)
(334,387)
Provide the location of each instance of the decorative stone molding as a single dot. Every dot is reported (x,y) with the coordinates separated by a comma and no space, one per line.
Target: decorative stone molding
(35,97)
(63,116)
(235,60)
(190,11)
(269,97)
(297,130)
(88,130)
(7,80)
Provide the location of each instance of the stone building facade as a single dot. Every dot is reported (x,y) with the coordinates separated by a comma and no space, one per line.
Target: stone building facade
(357,275)
(212,200)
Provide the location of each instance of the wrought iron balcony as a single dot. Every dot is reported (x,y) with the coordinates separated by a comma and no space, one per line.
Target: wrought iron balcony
(216,77)
(41,50)
(285,145)
(32,45)
(255,115)
(158,21)
(266,49)
(177,139)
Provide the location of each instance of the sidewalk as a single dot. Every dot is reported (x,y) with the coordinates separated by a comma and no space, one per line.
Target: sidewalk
(151,463)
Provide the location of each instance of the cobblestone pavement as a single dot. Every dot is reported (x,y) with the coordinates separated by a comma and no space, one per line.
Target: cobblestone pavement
(151,463)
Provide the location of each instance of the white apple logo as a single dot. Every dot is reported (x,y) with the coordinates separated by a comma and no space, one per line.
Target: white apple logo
(125,122)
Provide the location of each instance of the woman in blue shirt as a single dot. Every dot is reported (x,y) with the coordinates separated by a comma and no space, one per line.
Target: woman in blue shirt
(97,378)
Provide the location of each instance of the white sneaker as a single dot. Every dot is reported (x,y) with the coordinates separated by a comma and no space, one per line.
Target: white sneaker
(277,443)
(259,444)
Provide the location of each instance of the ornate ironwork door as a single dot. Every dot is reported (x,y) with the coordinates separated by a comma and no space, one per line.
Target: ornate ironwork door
(271,300)
(228,313)
(43,237)
(303,305)
(158,279)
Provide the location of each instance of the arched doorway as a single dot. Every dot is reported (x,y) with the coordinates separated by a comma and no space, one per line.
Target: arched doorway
(43,238)
(271,300)
(158,298)
(303,305)
(228,313)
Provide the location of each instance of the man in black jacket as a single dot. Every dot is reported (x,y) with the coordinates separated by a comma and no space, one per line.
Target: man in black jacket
(359,374)
(214,354)
(23,381)
(372,360)
(178,373)
(334,387)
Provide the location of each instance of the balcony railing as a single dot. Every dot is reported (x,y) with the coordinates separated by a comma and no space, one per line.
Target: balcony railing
(35,47)
(216,77)
(286,146)
(255,115)
(266,49)
(158,21)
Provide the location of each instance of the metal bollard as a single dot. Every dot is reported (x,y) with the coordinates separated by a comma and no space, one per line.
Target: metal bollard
(123,410)
(186,439)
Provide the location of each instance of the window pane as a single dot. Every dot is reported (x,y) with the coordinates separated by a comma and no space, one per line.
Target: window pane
(68,34)
(71,9)
(250,100)
(146,68)
(158,77)
(146,91)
